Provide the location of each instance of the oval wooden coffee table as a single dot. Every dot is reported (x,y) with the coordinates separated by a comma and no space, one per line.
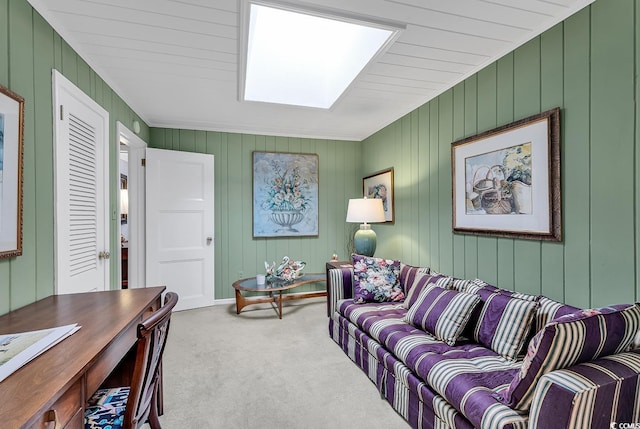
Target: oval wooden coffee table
(275,291)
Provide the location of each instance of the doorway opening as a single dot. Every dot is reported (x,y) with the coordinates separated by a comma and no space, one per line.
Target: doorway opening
(123,162)
(132,254)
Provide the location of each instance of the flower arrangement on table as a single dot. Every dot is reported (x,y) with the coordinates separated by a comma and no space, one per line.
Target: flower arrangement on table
(287,271)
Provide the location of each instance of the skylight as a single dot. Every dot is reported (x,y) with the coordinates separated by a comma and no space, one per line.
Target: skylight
(306,58)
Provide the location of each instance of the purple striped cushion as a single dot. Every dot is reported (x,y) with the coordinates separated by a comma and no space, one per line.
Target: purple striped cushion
(569,340)
(549,310)
(573,391)
(476,285)
(504,323)
(480,285)
(442,312)
(408,275)
(461,285)
(635,344)
(420,282)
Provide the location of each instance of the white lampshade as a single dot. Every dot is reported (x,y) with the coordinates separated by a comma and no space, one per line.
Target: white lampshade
(365,210)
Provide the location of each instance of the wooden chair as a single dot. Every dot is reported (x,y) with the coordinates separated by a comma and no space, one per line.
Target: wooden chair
(132,406)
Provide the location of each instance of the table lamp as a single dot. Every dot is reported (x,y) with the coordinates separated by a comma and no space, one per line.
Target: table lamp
(365,210)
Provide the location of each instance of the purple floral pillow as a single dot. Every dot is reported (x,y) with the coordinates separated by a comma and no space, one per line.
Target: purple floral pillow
(376,280)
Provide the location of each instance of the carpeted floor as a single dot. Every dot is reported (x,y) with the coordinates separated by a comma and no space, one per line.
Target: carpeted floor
(252,370)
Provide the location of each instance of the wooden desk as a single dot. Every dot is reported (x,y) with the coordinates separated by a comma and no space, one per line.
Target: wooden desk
(63,378)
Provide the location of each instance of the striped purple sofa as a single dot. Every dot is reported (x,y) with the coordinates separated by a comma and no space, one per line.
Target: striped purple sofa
(452,353)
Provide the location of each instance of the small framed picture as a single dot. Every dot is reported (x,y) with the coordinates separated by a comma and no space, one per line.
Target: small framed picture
(380,185)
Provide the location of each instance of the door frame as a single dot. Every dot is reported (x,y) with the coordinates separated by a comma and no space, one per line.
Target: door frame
(136,148)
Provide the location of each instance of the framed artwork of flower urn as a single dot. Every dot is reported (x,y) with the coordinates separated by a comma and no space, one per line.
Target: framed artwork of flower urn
(506,181)
(285,194)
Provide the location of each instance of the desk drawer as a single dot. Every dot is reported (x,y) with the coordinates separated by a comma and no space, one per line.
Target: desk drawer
(77,421)
(65,409)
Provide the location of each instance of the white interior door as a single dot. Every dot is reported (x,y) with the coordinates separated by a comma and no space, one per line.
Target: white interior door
(81,190)
(180,226)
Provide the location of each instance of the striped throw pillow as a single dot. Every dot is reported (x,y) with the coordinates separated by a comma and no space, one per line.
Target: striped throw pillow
(461,285)
(419,283)
(442,312)
(408,275)
(480,285)
(476,285)
(569,340)
(504,323)
(549,310)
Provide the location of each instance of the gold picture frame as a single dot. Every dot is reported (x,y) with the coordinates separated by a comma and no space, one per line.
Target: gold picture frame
(11,176)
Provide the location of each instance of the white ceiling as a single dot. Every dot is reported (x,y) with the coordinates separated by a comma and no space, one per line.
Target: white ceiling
(176,62)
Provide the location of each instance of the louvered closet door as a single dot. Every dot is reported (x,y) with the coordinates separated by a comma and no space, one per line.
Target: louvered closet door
(81,190)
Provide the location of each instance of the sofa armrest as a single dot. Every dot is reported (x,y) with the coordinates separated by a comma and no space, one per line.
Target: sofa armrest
(339,286)
(589,395)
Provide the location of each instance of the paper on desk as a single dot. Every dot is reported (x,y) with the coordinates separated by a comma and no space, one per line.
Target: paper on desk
(16,350)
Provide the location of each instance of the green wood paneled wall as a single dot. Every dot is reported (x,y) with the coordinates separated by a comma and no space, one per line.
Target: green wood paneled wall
(237,253)
(29,50)
(586,65)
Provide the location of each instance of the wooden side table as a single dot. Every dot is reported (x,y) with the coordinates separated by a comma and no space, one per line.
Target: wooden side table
(331,265)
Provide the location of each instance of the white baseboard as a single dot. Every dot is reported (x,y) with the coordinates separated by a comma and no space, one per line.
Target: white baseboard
(225,301)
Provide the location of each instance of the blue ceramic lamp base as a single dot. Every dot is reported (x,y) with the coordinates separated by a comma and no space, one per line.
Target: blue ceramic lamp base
(364,241)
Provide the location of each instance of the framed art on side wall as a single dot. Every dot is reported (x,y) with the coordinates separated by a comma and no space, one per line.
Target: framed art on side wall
(285,194)
(380,185)
(506,181)
(11,147)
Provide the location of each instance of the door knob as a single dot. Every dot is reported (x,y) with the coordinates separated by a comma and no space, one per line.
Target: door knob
(104,255)
(209,240)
